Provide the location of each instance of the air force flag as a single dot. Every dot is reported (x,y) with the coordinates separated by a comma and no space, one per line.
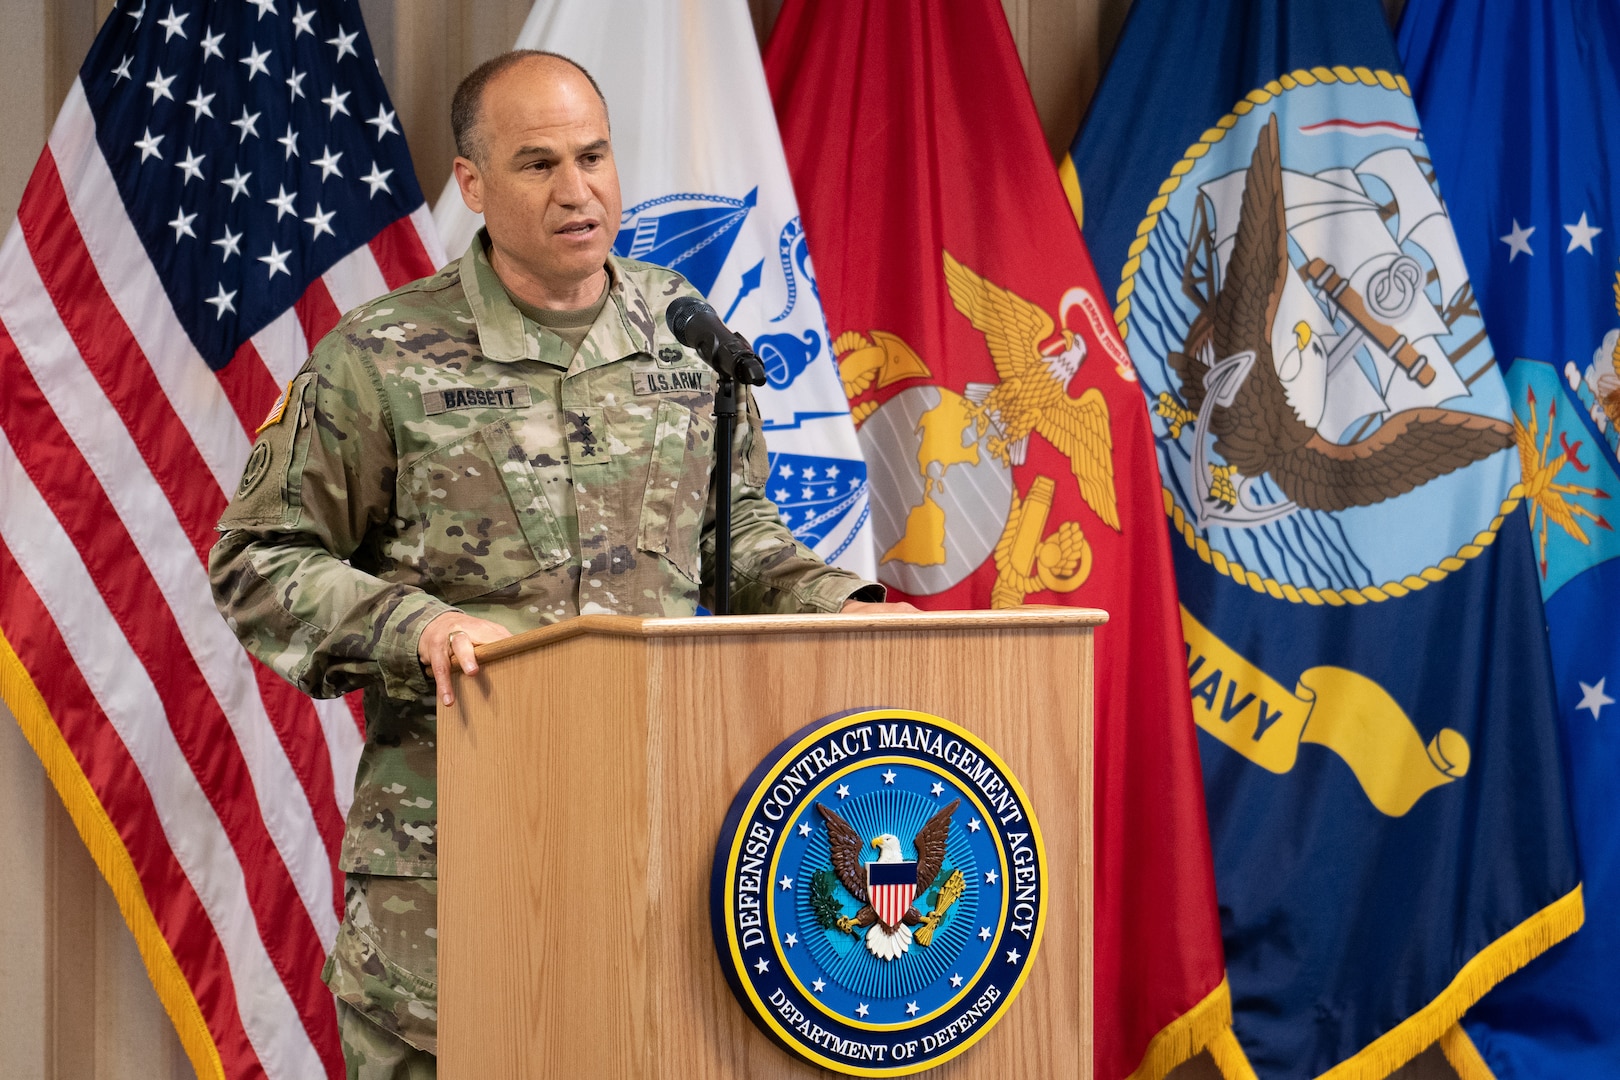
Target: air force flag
(1517,99)
(707,193)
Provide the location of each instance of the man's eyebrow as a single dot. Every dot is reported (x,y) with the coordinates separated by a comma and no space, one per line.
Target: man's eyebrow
(594,147)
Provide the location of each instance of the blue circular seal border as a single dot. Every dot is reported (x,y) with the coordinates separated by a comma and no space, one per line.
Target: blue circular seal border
(756,902)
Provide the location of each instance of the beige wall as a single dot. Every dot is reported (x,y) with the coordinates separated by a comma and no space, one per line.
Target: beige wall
(42,44)
(75,1003)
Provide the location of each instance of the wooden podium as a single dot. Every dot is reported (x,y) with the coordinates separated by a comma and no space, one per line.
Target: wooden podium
(584,776)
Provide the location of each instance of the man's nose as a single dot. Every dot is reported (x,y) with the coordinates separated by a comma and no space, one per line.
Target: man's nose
(571,189)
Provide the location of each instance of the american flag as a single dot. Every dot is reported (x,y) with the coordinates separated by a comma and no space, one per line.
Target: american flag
(223,181)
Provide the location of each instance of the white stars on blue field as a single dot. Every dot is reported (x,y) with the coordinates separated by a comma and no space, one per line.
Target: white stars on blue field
(1581,234)
(186,138)
(1593,698)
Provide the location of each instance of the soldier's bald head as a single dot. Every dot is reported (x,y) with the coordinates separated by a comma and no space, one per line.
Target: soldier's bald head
(467,107)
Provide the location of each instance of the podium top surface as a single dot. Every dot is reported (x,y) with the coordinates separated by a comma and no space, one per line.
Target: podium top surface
(1022,618)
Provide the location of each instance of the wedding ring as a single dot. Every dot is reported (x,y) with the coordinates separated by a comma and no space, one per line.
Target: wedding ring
(453,633)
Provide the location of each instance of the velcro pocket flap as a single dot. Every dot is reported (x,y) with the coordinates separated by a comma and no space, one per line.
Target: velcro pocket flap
(485,520)
(676,497)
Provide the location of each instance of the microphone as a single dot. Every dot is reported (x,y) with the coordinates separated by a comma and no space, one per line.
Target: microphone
(696,326)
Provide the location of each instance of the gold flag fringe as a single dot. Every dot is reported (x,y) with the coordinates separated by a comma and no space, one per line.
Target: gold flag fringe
(1463,1056)
(1189,1034)
(1230,1058)
(1495,962)
(106,847)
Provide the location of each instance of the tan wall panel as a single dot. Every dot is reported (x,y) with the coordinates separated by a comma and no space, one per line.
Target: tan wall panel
(41,48)
(134,1038)
(1063,45)
(23,843)
(75,1002)
(25,121)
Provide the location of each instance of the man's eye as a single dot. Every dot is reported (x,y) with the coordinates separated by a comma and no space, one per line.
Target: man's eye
(591,159)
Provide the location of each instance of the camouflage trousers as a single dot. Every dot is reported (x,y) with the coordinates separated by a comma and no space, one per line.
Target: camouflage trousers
(370,1053)
(384,970)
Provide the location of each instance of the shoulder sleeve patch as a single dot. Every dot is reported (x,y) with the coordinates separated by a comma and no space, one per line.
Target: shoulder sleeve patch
(263,497)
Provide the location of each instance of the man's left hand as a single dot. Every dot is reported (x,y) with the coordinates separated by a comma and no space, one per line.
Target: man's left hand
(882,607)
(438,648)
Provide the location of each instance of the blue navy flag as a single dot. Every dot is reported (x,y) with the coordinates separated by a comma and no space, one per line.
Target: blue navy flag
(1520,101)
(1341,479)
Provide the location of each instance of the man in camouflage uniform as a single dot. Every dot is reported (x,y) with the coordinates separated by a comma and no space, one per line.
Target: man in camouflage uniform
(511,442)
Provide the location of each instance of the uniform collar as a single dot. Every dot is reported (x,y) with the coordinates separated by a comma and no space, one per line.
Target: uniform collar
(505,336)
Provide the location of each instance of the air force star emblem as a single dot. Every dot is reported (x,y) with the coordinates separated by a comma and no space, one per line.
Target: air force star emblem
(878,892)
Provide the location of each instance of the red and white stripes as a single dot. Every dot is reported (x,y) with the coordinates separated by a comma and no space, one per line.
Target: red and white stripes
(118,448)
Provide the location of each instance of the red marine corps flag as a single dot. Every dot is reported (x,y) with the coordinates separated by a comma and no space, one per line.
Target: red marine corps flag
(1008,444)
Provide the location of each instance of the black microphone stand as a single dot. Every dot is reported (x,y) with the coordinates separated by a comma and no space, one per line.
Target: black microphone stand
(725,425)
(696,326)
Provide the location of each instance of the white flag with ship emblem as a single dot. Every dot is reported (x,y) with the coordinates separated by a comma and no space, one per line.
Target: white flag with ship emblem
(707,193)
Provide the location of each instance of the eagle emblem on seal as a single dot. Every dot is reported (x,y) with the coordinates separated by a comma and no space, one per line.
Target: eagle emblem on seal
(887,886)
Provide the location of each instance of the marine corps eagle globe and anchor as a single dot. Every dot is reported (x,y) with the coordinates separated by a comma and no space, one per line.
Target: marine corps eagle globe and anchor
(960,449)
(1302,320)
(878,892)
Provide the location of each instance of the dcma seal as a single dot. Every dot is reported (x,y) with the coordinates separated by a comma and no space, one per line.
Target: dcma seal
(878,892)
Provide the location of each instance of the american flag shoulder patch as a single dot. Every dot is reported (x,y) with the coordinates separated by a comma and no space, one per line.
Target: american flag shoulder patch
(277,411)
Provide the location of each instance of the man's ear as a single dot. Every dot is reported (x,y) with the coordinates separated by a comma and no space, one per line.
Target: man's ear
(471,183)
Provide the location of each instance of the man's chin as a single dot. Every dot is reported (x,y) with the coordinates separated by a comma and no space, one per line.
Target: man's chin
(561,267)
(591,251)
(581,267)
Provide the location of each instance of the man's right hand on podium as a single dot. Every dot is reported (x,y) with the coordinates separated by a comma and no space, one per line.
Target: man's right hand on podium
(450,638)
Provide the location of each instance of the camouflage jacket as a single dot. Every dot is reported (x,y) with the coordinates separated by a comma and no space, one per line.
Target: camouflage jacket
(441,451)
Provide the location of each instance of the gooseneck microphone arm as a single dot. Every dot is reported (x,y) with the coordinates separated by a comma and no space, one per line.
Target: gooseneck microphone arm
(696,326)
